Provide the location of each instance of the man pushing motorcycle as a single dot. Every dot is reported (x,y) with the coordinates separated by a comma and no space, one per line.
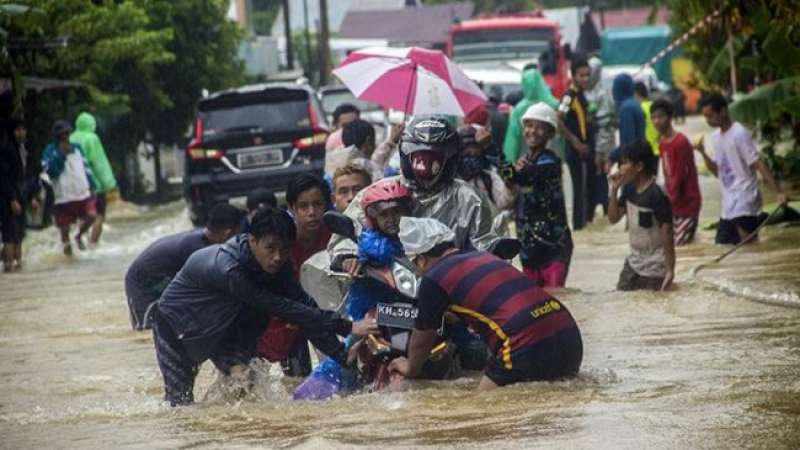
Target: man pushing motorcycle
(532,335)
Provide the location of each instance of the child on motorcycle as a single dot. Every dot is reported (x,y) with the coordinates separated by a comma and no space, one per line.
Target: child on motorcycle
(384,202)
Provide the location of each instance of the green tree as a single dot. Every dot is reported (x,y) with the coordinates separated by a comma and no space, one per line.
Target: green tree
(143,65)
(765,37)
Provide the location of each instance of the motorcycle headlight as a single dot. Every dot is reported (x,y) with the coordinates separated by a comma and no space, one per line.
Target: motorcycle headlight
(405,280)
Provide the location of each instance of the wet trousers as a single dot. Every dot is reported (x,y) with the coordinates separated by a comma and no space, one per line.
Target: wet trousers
(178,369)
(583,175)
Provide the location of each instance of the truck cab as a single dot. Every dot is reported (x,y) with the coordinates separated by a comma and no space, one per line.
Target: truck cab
(509,43)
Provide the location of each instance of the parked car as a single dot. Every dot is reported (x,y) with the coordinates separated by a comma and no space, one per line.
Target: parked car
(252,136)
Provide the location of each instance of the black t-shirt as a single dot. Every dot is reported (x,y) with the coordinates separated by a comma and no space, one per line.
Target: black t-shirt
(575,108)
(151,271)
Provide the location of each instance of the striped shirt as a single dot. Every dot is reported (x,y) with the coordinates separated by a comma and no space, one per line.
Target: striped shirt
(495,299)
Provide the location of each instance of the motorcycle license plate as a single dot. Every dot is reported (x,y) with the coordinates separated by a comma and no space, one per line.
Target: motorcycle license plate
(397,315)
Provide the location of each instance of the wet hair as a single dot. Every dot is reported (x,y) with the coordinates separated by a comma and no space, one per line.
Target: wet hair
(640,89)
(351,169)
(274,221)
(344,108)
(357,133)
(715,100)
(577,63)
(514,97)
(305,182)
(260,197)
(439,249)
(662,105)
(224,216)
(639,151)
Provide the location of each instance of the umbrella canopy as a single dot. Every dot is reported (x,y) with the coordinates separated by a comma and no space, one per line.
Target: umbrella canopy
(413,80)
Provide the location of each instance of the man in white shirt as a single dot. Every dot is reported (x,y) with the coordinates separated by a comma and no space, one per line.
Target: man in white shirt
(736,163)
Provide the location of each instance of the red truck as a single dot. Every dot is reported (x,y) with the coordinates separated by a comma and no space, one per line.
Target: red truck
(494,49)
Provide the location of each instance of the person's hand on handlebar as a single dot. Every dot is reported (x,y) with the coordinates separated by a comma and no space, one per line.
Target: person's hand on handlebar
(351,266)
(364,327)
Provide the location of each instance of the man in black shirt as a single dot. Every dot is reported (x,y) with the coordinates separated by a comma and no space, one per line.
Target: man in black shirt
(577,130)
(151,271)
(223,298)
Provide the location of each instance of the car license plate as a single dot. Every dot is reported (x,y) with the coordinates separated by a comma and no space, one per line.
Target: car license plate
(260,158)
(397,315)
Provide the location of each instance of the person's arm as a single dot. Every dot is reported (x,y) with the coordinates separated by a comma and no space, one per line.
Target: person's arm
(419,348)
(504,198)
(307,317)
(432,305)
(771,181)
(573,140)
(710,164)
(385,150)
(615,210)
(480,232)
(669,254)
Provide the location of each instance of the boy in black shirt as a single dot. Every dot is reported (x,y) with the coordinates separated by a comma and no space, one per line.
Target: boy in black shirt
(540,212)
(579,150)
(651,264)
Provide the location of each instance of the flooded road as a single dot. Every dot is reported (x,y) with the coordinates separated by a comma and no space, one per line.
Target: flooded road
(704,366)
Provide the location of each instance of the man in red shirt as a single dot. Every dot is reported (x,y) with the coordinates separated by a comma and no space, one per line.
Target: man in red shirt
(307,199)
(680,172)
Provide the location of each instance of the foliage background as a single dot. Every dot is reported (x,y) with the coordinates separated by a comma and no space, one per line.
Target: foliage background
(143,65)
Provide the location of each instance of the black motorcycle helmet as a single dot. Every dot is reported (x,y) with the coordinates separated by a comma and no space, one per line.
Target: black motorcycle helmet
(429,152)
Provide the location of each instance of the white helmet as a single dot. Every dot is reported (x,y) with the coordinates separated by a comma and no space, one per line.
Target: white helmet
(419,235)
(541,112)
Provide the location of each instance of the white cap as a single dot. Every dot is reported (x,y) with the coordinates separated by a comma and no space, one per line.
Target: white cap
(419,235)
(541,112)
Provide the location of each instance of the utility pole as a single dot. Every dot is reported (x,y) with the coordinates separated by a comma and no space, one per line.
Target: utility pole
(287,31)
(307,69)
(324,47)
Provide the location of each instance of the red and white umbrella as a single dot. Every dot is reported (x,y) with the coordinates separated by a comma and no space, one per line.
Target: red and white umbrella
(413,80)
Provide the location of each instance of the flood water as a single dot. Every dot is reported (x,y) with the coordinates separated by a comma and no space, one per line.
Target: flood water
(712,364)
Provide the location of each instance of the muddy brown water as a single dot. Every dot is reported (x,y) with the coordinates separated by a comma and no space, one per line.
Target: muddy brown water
(712,364)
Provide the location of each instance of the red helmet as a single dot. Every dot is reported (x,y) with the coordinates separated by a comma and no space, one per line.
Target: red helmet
(384,194)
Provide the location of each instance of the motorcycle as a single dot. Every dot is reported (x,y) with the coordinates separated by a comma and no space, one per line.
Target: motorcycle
(395,316)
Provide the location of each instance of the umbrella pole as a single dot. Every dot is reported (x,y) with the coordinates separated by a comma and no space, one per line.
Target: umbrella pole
(408,92)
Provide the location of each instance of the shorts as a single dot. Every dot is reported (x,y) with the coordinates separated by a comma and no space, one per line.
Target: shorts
(12,226)
(684,229)
(68,213)
(558,356)
(629,280)
(100,203)
(727,232)
(551,275)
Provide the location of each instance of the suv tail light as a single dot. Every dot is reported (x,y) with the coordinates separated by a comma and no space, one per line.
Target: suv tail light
(319,137)
(195,150)
(204,153)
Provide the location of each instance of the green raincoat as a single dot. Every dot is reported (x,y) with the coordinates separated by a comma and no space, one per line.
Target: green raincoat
(534,90)
(94,152)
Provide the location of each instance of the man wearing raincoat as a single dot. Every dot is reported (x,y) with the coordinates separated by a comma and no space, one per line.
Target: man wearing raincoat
(534,90)
(429,153)
(102,176)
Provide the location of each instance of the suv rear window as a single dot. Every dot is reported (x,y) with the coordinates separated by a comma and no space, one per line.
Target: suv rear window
(271,111)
